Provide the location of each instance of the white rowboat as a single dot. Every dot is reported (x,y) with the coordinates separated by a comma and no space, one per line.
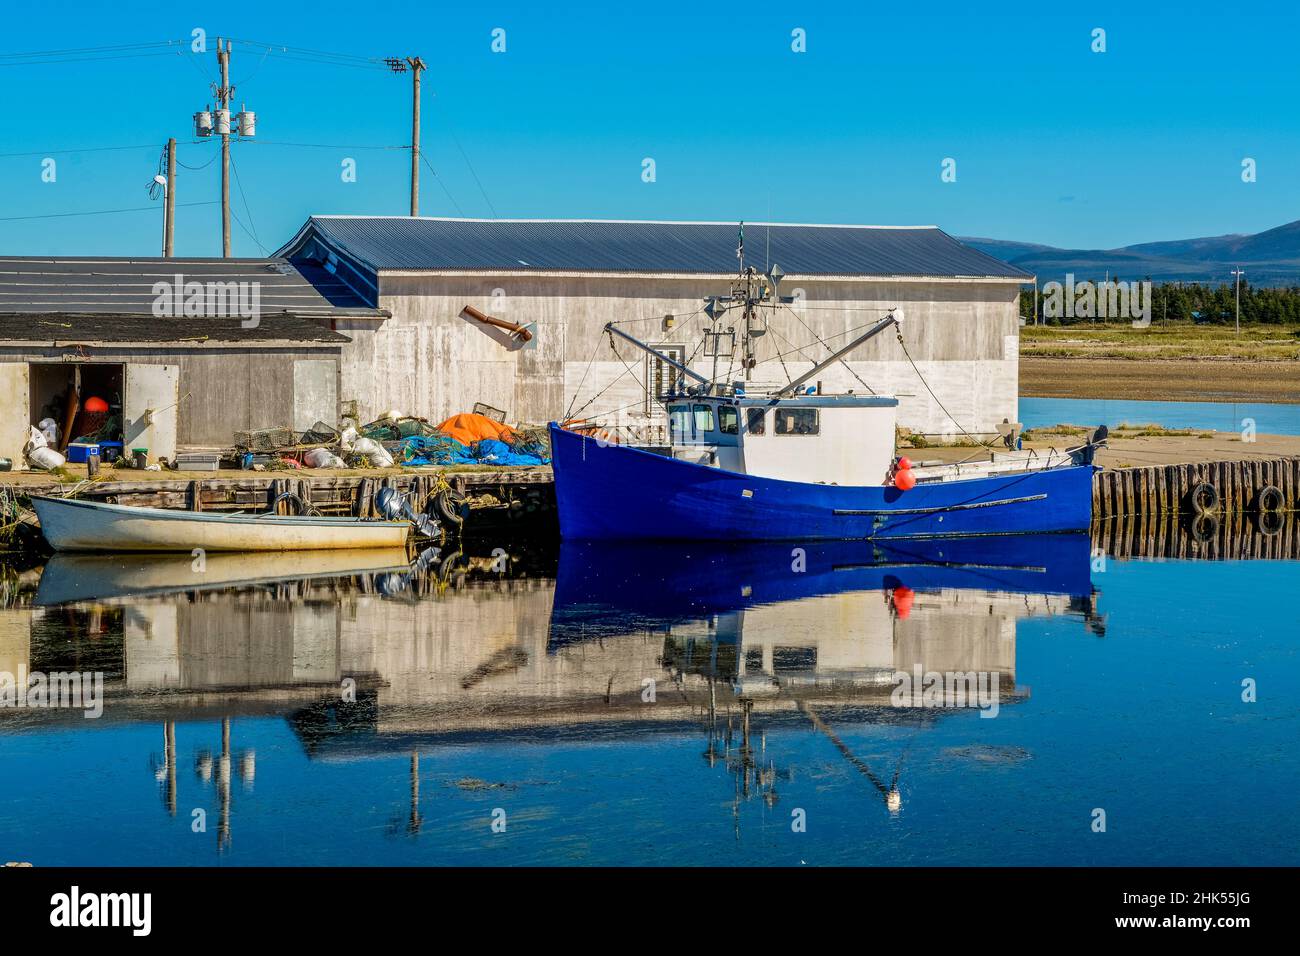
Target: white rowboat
(71,525)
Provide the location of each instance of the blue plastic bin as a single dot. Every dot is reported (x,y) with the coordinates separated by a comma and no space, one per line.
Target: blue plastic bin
(77,453)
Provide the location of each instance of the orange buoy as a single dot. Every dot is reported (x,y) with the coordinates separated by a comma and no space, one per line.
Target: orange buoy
(903,596)
(905,480)
(904,463)
(95,404)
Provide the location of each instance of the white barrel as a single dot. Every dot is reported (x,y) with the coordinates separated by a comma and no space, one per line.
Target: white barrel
(247,120)
(222,118)
(203,123)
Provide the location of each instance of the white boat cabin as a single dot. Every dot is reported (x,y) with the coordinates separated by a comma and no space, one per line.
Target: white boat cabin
(822,439)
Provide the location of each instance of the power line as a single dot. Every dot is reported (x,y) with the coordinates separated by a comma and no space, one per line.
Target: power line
(271,142)
(284,48)
(98,212)
(475,175)
(89,59)
(247,211)
(442,184)
(92,49)
(239,222)
(199,168)
(257,69)
(79,149)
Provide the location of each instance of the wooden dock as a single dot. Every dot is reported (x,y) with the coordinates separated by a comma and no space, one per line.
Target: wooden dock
(502,497)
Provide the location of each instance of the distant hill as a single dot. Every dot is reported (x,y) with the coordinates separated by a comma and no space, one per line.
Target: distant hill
(1268,258)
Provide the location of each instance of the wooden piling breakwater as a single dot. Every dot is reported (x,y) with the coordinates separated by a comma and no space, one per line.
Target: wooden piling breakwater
(1168,489)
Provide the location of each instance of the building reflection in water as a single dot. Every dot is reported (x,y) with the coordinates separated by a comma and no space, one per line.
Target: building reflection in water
(364,655)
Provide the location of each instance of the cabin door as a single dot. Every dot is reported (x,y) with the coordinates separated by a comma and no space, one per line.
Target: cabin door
(150,409)
(15,394)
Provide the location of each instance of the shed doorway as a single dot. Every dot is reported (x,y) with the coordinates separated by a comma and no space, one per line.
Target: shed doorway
(142,404)
(83,399)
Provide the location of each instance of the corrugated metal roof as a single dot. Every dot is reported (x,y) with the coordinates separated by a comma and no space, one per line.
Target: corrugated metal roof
(398,242)
(72,328)
(125,286)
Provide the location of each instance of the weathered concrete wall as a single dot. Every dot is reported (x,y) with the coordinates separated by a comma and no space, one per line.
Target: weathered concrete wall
(428,361)
(229,389)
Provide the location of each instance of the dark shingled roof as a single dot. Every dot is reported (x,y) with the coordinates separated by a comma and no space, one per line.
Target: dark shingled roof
(391,242)
(76,328)
(123,286)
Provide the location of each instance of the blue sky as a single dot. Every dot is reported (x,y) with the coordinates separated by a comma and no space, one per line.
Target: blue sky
(1053,143)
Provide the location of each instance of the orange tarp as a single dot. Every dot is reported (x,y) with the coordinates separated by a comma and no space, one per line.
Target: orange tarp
(467,428)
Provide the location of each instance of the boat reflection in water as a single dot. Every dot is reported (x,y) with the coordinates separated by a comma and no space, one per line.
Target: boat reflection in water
(365,655)
(864,631)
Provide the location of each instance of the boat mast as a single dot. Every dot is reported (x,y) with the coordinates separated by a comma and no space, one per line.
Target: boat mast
(750,290)
(893,318)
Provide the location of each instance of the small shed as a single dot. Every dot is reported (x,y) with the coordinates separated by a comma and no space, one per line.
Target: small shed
(117,330)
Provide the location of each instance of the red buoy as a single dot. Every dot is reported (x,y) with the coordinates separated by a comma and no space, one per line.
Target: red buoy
(903,596)
(95,404)
(905,480)
(904,463)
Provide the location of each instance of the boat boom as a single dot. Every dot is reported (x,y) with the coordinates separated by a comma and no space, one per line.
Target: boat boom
(893,318)
(609,327)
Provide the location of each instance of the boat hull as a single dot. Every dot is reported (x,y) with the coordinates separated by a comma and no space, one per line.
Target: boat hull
(609,492)
(70,525)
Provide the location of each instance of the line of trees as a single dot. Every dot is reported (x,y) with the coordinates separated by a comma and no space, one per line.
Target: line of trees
(1202,303)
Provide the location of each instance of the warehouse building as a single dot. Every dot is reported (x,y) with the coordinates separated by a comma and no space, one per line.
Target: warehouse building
(82,328)
(540,292)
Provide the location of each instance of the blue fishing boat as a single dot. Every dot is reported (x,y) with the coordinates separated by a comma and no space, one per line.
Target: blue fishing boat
(804,467)
(664,498)
(792,463)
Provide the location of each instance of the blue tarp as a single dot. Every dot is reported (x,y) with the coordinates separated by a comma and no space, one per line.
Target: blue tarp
(442,450)
(491,451)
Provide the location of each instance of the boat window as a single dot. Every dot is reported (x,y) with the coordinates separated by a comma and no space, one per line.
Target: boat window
(796,421)
(703,419)
(679,422)
(729,419)
(756,421)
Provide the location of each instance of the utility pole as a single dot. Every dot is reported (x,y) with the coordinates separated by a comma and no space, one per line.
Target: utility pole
(169,215)
(417,67)
(208,121)
(399,65)
(1238,273)
(223,127)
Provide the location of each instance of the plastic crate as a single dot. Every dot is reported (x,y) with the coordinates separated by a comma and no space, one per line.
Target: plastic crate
(198,461)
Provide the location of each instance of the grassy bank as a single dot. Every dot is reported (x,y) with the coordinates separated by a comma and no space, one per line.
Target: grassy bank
(1160,341)
(1173,362)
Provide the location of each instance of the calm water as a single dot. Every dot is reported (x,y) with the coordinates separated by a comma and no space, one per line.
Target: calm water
(1270,419)
(487,688)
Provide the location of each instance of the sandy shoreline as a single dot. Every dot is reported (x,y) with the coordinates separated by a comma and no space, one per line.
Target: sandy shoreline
(1167,380)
